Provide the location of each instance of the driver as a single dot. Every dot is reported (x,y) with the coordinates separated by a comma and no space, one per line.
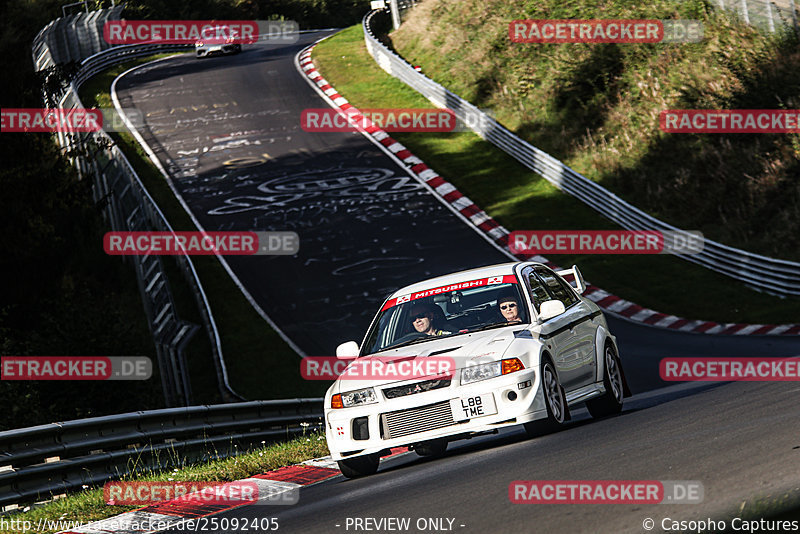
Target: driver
(422,319)
(509,308)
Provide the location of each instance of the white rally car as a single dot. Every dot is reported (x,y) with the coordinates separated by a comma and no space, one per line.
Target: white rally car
(215,40)
(525,347)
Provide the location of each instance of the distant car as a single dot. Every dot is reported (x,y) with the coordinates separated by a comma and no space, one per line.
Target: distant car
(556,353)
(217,40)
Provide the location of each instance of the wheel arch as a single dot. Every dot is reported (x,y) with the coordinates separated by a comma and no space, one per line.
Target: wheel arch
(544,355)
(612,341)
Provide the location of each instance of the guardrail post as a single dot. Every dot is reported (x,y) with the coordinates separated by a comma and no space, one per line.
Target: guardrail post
(770,22)
(743,11)
(395,10)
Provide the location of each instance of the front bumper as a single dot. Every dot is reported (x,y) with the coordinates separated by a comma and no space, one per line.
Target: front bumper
(424,416)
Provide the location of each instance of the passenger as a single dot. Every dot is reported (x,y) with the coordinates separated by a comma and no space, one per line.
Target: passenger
(422,318)
(509,308)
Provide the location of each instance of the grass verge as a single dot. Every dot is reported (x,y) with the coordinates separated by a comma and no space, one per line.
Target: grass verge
(525,201)
(784,507)
(88,505)
(596,107)
(248,342)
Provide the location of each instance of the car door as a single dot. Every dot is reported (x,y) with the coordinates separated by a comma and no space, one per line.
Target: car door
(573,333)
(554,332)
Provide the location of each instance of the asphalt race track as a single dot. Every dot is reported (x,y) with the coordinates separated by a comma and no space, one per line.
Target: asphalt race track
(228,131)
(716,436)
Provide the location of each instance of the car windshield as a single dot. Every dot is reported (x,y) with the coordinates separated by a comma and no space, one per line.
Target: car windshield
(218,35)
(445,314)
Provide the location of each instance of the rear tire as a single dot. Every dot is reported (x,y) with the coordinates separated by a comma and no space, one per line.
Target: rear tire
(434,447)
(611,402)
(555,402)
(360,466)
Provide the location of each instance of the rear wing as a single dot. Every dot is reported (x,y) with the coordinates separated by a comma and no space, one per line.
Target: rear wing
(574,277)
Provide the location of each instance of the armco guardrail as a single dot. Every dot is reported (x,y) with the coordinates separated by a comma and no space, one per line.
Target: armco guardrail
(769,15)
(128,205)
(771,275)
(45,460)
(73,38)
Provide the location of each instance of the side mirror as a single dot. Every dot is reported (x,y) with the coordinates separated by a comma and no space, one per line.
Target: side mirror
(349,350)
(550,309)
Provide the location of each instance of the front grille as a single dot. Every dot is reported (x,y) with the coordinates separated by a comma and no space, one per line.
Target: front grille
(415,420)
(419,387)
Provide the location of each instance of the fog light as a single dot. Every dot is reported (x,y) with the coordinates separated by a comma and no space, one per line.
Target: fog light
(360,428)
(511,395)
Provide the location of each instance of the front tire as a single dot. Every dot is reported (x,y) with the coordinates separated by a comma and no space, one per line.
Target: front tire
(554,401)
(611,402)
(360,466)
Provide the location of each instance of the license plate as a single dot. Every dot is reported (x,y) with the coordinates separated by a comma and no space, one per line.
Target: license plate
(470,407)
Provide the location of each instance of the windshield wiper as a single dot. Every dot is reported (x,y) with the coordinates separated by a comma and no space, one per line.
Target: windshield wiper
(468,331)
(490,326)
(411,342)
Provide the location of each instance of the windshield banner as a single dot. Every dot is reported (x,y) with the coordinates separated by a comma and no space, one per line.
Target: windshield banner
(492,280)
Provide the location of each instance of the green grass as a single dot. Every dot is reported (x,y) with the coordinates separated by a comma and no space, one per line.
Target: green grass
(249,344)
(784,507)
(596,107)
(520,200)
(88,505)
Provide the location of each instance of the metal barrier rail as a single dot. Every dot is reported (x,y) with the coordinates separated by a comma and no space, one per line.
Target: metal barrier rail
(771,275)
(72,38)
(129,206)
(769,15)
(45,460)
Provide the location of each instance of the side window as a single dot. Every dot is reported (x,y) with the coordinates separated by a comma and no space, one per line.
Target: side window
(557,287)
(538,292)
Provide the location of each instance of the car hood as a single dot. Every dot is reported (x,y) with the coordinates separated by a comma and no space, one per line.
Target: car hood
(465,349)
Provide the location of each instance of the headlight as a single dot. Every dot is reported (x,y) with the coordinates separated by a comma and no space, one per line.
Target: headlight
(354,398)
(480,372)
(490,370)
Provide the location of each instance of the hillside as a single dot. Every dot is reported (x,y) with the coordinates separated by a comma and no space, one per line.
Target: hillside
(596,107)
